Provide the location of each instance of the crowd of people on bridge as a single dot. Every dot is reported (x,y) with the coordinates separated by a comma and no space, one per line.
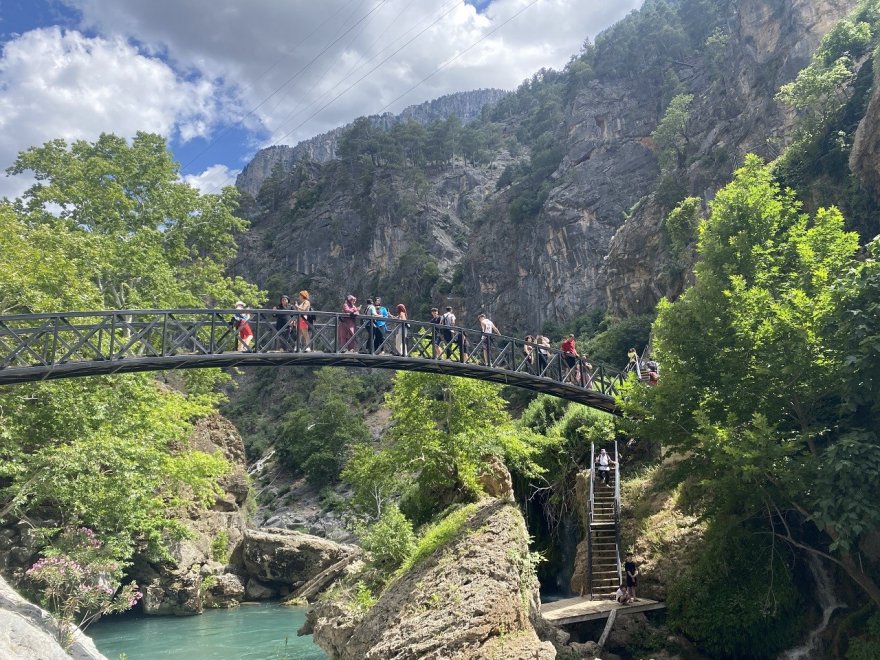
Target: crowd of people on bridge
(294,327)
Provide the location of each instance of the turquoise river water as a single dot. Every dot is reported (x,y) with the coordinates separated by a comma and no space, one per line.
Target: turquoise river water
(258,632)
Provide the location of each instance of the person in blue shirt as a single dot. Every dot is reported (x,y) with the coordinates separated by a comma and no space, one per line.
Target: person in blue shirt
(380,327)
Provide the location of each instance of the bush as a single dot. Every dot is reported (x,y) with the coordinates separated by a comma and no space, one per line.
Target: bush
(867,646)
(738,599)
(220,547)
(438,534)
(80,582)
(390,541)
(610,345)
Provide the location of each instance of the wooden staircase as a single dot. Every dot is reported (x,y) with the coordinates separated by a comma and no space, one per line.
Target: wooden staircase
(604,540)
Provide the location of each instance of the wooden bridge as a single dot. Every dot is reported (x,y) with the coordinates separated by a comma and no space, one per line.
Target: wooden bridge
(36,347)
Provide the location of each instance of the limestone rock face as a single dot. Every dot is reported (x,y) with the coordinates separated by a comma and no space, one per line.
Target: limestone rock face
(282,557)
(769,43)
(598,239)
(28,632)
(322,148)
(471,599)
(864,158)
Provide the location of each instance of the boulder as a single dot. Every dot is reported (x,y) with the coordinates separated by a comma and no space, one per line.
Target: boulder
(476,597)
(495,479)
(169,593)
(28,632)
(284,557)
(257,590)
(225,590)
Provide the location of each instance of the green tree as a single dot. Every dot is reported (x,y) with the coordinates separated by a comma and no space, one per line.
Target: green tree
(153,241)
(671,135)
(443,431)
(109,224)
(317,438)
(752,373)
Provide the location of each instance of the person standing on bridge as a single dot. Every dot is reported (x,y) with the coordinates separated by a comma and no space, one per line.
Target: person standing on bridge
(572,361)
(436,320)
(302,323)
(448,322)
(243,328)
(543,343)
(632,576)
(603,466)
(283,323)
(528,350)
(400,346)
(347,323)
(381,328)
(488,329)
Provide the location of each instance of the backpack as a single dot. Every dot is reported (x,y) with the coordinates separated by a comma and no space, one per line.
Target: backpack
(446,320)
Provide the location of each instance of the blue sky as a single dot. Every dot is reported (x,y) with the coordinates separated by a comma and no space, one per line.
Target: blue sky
(223,78)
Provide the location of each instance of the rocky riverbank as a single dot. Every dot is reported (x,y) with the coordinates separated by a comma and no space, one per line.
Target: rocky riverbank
(475,597)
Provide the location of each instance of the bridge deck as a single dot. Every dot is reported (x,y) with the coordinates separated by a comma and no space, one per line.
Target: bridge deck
(36,347)
(576,610)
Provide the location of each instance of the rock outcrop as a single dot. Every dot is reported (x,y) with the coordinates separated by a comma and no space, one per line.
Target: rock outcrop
(322,148)
(864,158)
(476,597)
(28,632)
(280,560)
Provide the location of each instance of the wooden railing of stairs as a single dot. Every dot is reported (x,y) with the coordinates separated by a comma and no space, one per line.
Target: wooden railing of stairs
(604,574)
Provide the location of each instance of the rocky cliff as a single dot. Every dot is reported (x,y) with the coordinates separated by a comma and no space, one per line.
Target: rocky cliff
(596,241)
(473,598)
(322,148)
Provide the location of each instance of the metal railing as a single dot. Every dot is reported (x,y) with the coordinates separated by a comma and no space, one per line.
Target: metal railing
(590,519)
(67,344)
(617,510)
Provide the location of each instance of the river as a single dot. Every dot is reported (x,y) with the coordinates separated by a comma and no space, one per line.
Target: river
(259,632)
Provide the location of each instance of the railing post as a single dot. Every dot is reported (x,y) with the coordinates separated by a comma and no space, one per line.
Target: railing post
(590,519)
(617,509)
(112,335)
(163,351)
(55,339)
(211,348)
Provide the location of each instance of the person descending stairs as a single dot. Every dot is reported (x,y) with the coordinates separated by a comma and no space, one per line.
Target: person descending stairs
(604,517)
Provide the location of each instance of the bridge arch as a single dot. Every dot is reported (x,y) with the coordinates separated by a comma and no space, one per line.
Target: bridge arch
(36,347)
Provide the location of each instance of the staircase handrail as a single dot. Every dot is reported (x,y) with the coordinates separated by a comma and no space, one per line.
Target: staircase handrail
(590,519)
(617,509)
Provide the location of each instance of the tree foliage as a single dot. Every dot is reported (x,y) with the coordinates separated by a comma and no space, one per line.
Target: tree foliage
(149,240)
(317,437)
(754,367)
(109,224)
(671,135)
(443,431)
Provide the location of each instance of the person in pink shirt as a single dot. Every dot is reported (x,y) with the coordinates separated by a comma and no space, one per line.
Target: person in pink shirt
(347,325)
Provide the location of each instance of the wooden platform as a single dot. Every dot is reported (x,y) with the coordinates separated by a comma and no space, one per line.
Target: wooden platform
(575,610)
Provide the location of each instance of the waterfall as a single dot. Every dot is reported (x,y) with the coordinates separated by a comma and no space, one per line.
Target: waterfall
(827,601)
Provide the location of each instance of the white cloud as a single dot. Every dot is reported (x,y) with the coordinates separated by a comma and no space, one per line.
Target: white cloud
(186,69)
(212,179)
(64,84)
(266,47)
